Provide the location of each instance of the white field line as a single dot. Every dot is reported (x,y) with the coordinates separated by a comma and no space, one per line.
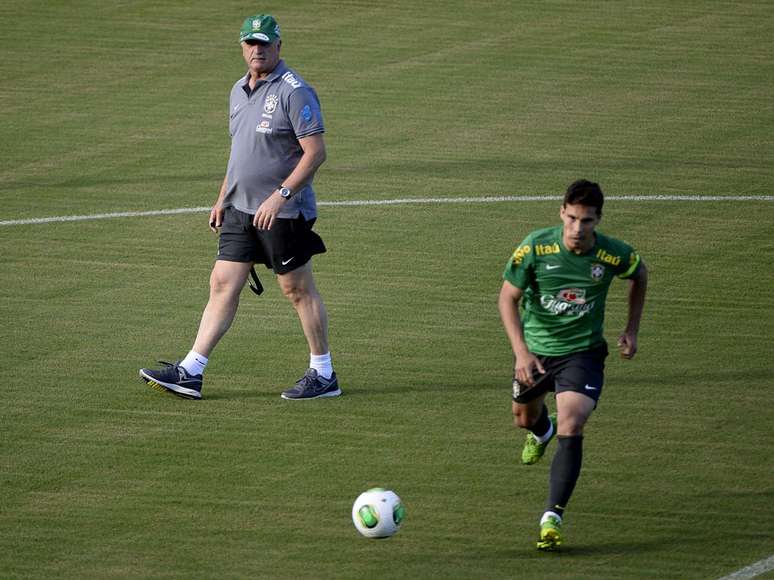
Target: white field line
(753,570)
(367,202)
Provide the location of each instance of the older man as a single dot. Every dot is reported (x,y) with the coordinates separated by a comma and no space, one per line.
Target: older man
(265,210)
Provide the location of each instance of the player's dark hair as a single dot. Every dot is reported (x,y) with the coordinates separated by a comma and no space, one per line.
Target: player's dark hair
(585,192)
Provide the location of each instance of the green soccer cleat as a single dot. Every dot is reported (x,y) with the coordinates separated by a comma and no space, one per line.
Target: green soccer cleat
(533,450)
(550,534)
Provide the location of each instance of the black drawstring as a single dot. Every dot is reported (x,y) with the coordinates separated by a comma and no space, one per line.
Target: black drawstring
(255,285)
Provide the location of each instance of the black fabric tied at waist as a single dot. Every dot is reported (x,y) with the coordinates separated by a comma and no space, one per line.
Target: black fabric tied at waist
(255,285)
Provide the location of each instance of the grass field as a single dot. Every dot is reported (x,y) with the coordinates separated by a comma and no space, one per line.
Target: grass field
(108,107)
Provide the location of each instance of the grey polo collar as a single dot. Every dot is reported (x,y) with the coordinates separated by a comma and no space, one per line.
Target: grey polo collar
(278,71)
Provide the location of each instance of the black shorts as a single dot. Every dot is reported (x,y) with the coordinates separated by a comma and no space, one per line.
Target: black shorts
(582,372)
(289,244)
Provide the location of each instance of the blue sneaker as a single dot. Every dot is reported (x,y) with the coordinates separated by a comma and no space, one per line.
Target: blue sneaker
(313,386)
(174,379)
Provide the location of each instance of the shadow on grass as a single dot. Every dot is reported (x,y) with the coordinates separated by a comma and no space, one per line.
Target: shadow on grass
(580,550)
(365,388)
(357,391)
(241,390)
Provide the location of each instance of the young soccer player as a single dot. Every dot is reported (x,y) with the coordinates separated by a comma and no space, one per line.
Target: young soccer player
(552,304)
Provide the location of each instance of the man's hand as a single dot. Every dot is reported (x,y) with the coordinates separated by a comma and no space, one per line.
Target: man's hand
(267,212)
(627,343)
(526,366)
(216,218)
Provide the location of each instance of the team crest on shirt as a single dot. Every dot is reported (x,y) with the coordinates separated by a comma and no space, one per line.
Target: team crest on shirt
(597,272)
(270,104)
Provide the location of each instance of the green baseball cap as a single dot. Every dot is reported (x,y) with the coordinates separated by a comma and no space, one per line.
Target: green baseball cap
(261,27)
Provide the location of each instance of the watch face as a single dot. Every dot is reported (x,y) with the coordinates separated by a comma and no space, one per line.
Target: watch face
(284,192)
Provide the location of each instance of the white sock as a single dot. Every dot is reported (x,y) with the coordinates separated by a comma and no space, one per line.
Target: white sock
(194,363)
(550,514)
(322,364)
(547,435)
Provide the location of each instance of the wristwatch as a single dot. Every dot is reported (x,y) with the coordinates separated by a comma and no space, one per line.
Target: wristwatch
(285,192)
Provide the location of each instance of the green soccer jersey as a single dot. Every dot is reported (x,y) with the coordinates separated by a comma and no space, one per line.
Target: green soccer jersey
(564,293)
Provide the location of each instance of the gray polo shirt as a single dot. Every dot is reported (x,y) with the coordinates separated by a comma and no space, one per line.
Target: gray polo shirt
(265,126)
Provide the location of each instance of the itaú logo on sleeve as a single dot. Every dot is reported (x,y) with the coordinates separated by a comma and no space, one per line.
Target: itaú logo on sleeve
(603,256)
(519,253)
(569,302)
(290,78)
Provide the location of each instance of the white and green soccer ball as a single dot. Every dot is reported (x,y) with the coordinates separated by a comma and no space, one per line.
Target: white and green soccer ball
(378,513)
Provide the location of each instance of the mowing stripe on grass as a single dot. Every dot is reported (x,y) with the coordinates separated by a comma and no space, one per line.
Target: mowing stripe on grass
(366,202)
(753,570)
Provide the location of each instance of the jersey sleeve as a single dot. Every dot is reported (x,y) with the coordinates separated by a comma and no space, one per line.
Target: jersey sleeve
(305,113)
(519,270)
(630,264)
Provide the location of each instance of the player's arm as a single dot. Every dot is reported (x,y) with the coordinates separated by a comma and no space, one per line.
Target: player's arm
(313,156)
(526,362)
(638,285)
(216,213)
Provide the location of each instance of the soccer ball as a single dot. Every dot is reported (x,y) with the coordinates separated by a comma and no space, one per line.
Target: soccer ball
(378,513)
